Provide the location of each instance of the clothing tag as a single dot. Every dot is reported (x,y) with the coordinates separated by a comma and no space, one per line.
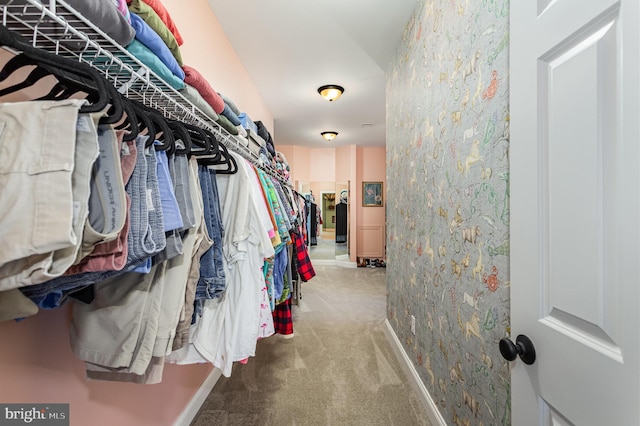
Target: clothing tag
(125,149)
(150,205)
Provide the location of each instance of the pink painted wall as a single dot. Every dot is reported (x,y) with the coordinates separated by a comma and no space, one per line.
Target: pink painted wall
(36,363)
(371,164)
(310,165)
(371,167)
(37,366)
(343,164)
(323,165)
(207,49)
(322,186)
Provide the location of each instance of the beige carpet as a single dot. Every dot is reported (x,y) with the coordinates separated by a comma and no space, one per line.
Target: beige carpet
(325,249)
(339,369)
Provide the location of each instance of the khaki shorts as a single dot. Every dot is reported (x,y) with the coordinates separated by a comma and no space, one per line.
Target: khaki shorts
(47,150)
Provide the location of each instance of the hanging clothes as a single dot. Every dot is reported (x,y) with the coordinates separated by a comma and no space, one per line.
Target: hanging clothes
(161,259)
(53,162)
(229,327)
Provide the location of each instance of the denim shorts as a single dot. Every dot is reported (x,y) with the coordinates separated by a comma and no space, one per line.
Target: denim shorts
(179,288)
(154,239)
(171,211)
(212,281)
(179,169)
(280,269)
(142,231)
(202,244)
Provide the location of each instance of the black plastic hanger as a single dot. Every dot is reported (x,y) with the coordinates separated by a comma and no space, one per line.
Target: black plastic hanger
(164,134)
(200,142)
(229,161)
(215,146)
(116,110)
(156,122)
(71,74)
(129,122)
(226,160)
(180,133)
(145,125)
(73,77)
(70,86)
(15,64)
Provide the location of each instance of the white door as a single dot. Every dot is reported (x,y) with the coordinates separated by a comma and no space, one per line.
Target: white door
(575,193)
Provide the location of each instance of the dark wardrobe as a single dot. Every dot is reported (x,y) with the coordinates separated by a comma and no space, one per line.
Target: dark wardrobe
(341,223)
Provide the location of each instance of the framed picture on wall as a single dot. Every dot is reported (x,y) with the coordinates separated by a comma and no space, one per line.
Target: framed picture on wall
(372,194)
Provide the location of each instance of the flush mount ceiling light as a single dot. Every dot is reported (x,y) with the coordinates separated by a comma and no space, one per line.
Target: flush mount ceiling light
(329,136)
(331,92)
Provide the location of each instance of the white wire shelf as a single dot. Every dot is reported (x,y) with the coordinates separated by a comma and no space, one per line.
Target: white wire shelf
(56,27)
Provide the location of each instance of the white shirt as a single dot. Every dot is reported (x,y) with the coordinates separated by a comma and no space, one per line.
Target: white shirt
(230,326)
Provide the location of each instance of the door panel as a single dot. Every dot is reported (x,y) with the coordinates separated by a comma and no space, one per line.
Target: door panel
(575,192)
(579,181)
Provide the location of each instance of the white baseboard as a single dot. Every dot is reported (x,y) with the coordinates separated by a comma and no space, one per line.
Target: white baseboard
(192,408)
(430,406)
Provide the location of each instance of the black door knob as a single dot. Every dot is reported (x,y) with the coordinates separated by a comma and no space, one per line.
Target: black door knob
(523,347)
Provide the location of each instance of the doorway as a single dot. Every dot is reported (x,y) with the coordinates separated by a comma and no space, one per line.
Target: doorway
(327,198)
(329,212)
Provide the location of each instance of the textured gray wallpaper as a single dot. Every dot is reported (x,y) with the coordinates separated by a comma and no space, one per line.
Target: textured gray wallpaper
(448,204)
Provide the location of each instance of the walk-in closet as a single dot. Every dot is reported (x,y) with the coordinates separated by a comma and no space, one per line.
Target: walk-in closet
(152,234)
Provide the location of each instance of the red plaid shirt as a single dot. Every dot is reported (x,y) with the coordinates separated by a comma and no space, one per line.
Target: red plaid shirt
(305,268)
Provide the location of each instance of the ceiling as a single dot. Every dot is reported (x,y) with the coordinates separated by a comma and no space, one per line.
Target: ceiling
(291,47)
